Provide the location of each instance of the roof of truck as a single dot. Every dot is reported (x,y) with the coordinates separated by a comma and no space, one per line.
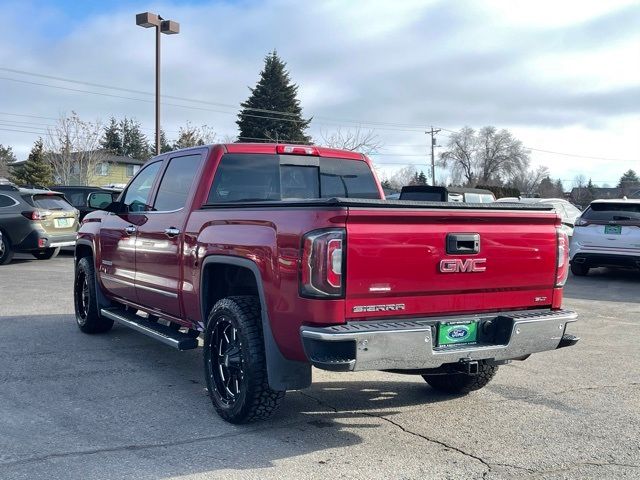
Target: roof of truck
(617,200)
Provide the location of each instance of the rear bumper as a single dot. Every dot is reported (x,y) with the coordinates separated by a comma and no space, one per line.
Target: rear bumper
(411,345)
(606,260)
(38,240)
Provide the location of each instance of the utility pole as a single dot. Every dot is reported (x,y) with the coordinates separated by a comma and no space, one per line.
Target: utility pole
(433,158)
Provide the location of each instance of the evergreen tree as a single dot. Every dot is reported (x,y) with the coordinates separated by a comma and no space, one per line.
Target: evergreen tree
(274,92)
(422,178)
(36,170)
(6,158)
(112,139)
(559,188)
(628,178)
(134,142)
(165,146)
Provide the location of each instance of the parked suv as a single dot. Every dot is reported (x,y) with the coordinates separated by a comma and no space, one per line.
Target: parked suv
(78,195)
(606,235)
(567,211)
(35,221)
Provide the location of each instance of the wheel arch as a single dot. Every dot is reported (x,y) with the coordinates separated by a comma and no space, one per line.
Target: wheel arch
(282,373)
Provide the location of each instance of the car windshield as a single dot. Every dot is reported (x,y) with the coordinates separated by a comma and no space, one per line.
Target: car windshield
(611,212)
(51,202)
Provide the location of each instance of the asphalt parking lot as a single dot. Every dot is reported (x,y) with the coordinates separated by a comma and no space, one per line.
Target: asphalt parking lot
(122,406)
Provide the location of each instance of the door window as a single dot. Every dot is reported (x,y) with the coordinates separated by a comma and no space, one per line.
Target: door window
(176,183)
(6,201)
(137,197)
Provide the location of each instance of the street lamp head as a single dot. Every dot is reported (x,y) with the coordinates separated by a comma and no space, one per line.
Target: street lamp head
(169,27)
(147,20)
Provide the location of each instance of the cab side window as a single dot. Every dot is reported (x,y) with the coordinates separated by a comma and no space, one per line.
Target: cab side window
(176,183)
(137,197)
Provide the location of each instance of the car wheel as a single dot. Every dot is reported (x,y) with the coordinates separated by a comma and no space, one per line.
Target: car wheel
(234,362)
(85,299)
(461,383)
(46,253)
(579,269)
(6,253)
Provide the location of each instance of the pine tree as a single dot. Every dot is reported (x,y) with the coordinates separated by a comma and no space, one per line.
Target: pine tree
(36,170)
(628,177)
(134,142)
(274,92)
(422,178)
(112,139)
(6,158)
(165,146)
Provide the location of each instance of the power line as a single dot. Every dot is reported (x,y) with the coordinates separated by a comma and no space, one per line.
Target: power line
(391,126)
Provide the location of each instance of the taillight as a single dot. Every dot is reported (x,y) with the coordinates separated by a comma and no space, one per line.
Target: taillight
(322,264)
(37,214)
(562,266)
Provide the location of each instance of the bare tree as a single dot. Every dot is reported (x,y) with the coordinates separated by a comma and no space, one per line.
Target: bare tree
(487,157)
(402,177)
(528,180)
(460,156)
(73,149)
(353,139)
(192,136)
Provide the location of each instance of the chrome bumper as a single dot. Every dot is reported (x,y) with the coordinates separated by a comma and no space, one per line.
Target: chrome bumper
(411,345)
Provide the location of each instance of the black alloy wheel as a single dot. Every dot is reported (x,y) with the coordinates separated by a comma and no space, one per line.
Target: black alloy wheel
(226,361)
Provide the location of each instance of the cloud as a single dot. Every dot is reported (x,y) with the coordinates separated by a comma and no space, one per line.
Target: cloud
(411,63)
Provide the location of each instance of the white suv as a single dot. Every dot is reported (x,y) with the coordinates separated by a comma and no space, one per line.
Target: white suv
(607,234)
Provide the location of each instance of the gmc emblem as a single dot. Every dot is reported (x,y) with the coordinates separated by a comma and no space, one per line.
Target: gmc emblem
(468,265)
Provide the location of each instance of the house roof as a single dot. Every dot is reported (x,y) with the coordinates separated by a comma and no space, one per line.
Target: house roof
(107,157)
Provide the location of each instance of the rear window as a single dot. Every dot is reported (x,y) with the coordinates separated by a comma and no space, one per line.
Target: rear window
(247,178)
(612,212)
(51,202)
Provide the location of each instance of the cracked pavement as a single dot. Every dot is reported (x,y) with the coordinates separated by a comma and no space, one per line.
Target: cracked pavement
(121,406)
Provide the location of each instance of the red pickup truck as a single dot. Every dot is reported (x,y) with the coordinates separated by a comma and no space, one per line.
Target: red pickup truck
(275,258)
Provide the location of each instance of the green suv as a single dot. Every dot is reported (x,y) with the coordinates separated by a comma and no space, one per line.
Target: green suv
(35,221)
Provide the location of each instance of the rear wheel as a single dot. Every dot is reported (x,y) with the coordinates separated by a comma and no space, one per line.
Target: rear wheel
(85,299)
(579,269)
(234,362)
(6,254)
(461,383)
(46,253)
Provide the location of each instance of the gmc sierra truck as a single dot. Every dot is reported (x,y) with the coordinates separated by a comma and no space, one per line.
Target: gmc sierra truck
(277,258)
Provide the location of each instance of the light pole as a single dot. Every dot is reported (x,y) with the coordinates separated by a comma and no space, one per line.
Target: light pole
(168,27)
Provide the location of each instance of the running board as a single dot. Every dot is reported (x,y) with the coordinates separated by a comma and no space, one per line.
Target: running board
(157,331)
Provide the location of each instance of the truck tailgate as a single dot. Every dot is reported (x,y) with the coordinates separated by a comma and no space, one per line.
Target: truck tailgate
(394,261)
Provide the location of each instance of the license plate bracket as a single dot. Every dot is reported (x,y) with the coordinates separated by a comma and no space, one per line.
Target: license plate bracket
(457,333)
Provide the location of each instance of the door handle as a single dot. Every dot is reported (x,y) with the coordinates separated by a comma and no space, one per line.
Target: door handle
(172,232)
(130,230)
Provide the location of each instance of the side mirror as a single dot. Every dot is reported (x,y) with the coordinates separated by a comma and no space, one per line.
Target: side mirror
(100,200)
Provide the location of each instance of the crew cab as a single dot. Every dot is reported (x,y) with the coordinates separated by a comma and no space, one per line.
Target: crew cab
(277,258)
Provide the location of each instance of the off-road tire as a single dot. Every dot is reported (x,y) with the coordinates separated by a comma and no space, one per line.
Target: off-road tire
(254,399)
(85,299)
(7,253)
(579,269)
(46,253)
(461,383)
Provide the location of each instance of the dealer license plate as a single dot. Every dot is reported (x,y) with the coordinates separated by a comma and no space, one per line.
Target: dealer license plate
(454,333)
(63,222)
(612,229)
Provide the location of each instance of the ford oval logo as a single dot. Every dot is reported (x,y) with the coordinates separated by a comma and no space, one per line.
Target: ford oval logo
(458,333)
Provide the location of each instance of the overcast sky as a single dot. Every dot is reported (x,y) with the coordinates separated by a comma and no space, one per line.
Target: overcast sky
(563,76)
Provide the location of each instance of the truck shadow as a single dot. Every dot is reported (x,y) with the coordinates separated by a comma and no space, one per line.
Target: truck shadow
(74,405)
